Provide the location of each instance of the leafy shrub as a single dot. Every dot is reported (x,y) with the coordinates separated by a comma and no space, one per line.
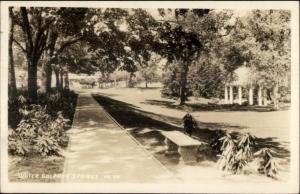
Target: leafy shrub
(235,153)
(17,145)
(46,144)
(216,142)
(38,132)
(267,163)
(245,145)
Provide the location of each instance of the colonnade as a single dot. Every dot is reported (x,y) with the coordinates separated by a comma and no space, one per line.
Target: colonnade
(261,95)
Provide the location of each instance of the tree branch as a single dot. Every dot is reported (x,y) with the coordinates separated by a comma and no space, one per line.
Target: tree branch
(26,28)
(68,43)
(21,47)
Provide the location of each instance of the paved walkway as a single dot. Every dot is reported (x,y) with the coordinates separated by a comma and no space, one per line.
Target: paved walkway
(101,151)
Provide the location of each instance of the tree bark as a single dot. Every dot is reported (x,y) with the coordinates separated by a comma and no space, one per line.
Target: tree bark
(130,81)
(146,82)
(12,76)
(61,79)
(35,45)
(67,83)
(48,72)
(183,83)
(48,67)
(32,80)
(275,97)
(56,71)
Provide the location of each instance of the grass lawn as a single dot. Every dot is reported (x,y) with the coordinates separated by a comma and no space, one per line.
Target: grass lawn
(35,169)
(131,109)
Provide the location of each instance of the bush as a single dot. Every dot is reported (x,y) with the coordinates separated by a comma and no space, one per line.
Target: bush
(40,128)
(216,142)
(55,101)
(235,153)
(38,132)
(267,163)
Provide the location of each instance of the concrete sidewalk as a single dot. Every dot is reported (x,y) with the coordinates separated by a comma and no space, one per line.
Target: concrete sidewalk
(100,151)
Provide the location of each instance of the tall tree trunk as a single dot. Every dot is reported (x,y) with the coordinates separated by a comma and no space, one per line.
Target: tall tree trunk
(130,81)
(48,68)
(35,44)
(183,83)
(48,80)
(12,76)
(61,79)
(67,83)
(276,96)
(146,82)
(56,71)
(32,80)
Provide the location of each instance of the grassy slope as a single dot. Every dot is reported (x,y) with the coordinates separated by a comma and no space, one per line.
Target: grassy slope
(128,107)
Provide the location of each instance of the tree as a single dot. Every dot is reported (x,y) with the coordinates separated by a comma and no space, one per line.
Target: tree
(120,39)
(190,35)
(46,32)
(220,55)
(12,76)
(35,33)
(206,77)
(177,44)
(270,49)
(149,71)
(68,28)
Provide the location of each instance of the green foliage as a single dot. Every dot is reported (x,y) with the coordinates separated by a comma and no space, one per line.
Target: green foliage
(267,163)
(206,79)
(216,142)
(47,145)
(171,83)
(149,70)
(246,144)
(16,144)
(235,153)
(40,128)
(38,132)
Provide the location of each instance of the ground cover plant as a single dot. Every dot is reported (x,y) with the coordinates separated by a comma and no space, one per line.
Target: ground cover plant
(38,131)
(237,152)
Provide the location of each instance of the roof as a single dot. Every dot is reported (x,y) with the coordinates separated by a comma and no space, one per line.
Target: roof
(243,76)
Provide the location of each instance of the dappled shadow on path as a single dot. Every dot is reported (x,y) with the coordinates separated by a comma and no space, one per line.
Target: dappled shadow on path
(211,106)
(148,88)
(145,126)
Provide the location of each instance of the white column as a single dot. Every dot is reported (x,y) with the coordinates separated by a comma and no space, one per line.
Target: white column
(230,94)
(259,96)
(226,94)
(250,95)
(240,95)
(265,102)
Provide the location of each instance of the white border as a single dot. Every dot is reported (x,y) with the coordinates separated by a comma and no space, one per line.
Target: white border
(289,187)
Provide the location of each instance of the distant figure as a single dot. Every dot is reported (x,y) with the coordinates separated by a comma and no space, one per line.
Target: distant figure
(189,124)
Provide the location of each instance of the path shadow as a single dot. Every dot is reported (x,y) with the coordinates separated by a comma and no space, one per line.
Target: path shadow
(212,106)
(145,127)
(148,88)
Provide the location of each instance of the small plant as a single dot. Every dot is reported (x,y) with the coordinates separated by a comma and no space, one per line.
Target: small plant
(47,145)
(267,163)
(235,153)
(216,142)
(245,144)
(17,145)
(38,132)
(228,161)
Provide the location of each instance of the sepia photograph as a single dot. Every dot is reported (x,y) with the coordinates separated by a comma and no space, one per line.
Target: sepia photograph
(150,97)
